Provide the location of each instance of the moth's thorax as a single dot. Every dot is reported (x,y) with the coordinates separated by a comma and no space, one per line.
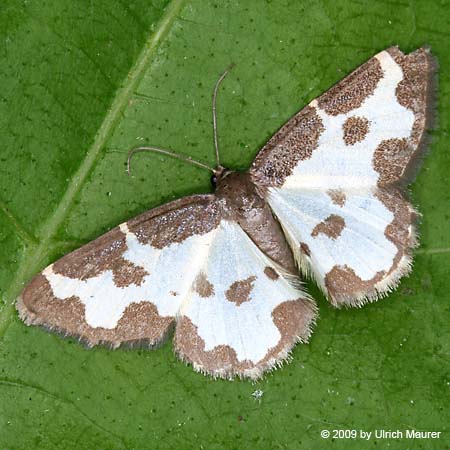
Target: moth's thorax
(243,201)
(238,194)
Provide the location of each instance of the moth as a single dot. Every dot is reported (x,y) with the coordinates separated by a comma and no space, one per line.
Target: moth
(325,197)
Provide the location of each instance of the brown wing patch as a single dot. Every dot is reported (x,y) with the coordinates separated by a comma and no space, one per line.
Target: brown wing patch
(390,159)
(271,273)
(202,286)
(102,254)
(397,160)
(140,323)
(344,285)
(351,92)
(413,92)
(294,319)
(332,226)
(294,142)
(239,292)
(355,130)
(126,273)
(93,258)
(337,196)
(176,221)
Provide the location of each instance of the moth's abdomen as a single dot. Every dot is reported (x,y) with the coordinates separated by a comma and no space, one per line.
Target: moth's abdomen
(243,201)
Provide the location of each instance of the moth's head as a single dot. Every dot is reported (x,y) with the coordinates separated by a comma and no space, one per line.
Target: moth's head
(220,173)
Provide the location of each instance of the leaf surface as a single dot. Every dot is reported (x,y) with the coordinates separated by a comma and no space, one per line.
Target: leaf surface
(82,83)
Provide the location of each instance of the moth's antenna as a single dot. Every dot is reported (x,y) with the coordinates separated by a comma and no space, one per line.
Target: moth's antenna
(186,159)
(214,100)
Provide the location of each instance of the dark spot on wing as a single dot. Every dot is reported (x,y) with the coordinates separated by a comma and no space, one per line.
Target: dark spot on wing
(202,286)
(271,273)
(239,291)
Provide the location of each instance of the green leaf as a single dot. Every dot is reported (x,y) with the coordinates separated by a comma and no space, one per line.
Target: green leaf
(83,82)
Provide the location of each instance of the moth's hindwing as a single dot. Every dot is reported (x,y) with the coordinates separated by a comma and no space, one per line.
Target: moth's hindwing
(183,266)
(335,175)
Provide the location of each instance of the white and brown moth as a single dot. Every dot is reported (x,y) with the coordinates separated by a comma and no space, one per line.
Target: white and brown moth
(325,196)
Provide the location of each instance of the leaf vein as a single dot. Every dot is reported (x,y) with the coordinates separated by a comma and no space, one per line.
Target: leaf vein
(23,234)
